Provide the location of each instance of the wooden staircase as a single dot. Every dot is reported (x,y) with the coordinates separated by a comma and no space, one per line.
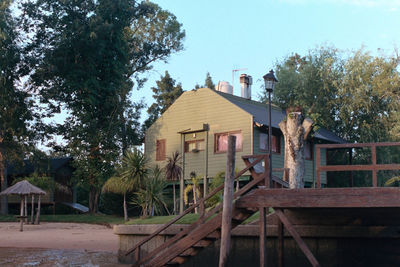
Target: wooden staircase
(207,229)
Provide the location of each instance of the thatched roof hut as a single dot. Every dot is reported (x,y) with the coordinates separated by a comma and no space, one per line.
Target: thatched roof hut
(23,188)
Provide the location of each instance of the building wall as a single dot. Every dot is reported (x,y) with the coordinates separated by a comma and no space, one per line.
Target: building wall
(191,111)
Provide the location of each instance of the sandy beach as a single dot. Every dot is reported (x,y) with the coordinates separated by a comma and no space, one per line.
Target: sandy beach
(58,244)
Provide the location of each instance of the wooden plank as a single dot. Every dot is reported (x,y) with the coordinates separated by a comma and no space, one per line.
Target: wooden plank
(303,246)
(226,225)
(322,198)
(374,178)
(263,233)
(358,145)
(377,167)
(318,167)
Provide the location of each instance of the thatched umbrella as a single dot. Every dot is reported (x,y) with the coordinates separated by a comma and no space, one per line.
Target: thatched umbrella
(23,189)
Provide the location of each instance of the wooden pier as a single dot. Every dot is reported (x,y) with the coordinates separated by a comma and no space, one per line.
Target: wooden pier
(372,212)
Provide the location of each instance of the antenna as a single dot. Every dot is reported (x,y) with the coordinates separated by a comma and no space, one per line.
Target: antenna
(233,74)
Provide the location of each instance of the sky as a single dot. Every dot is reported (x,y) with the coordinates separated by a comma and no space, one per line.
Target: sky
(225,35)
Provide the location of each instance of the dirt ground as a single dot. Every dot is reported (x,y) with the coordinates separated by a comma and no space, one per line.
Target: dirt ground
(58,244)
(59,236)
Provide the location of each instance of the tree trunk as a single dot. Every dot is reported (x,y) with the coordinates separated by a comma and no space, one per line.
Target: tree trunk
(37,220)
(21,219)
(295,131)
(174,191)
(125,210)
(3,181)
(93,199)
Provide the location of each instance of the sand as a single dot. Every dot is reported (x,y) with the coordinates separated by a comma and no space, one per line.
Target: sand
(58,244)
(89,237)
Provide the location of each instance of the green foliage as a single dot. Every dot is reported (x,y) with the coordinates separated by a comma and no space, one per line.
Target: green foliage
(151,196)
(173,171)
(45,183)
(356,96)
(208,83)
(83,57)
(16,116)
(134,168)
(164,95)
(394,181)
(218,180)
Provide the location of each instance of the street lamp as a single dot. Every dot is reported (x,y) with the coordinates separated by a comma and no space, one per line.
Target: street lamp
(269,81)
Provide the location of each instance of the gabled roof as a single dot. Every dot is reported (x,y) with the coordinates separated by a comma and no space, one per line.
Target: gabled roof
(260,115)
(46,165)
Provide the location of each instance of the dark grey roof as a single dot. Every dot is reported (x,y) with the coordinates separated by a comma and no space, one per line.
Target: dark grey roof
(44,166)
(260,114)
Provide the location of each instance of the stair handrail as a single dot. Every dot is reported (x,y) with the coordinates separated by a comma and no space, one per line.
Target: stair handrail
(200,202)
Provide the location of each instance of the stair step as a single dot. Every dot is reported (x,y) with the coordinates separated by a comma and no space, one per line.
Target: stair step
(190,252)
(177,260)
(202,243)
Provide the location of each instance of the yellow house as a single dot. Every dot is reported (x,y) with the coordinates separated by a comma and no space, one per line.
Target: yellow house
(198,123)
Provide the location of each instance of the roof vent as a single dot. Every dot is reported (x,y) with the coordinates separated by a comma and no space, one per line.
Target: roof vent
(224,87)
(245,83)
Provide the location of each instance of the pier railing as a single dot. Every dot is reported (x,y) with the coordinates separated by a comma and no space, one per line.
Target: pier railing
(374,167)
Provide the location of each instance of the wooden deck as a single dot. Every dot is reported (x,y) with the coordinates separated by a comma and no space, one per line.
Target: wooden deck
(368,197)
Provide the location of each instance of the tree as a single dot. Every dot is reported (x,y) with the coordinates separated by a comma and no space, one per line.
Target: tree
(173,172)
(208,82)
(118,186)
(151,196)
(84,56)
(164,95)
(134,167)
(295,130)
(15,112)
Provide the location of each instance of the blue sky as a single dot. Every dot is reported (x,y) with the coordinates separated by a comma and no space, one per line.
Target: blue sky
(224,35)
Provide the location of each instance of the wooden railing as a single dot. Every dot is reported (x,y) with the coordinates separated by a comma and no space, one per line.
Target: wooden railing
(203,215)
(374,167)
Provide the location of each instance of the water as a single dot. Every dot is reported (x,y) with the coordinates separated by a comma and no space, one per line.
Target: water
(25,257)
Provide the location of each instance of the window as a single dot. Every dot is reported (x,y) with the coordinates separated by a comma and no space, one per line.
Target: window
(192,146)
(276,142)
(221,141)
(160,150)
(308,150)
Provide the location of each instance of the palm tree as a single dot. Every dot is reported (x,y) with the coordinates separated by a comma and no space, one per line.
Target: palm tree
(173,172)
(130,176)
(134,167)
(151,197)
(118,186)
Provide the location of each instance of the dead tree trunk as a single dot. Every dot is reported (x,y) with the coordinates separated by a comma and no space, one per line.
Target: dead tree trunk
(295,130)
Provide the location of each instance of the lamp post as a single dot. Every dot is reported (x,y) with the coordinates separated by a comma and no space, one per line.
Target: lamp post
(269,81)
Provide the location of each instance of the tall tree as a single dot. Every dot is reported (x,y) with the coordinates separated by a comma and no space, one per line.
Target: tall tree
(208,83)
(166,92)
(15,113)
(357,96)
(84,55)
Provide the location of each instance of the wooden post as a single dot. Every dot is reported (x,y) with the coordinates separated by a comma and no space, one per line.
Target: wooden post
(263,237)
(280,244)
(318,163)
(226,224)
(137,255)
(26,208)
(21,219)
(374,178)
(37,220)
(32,208)
(351,163)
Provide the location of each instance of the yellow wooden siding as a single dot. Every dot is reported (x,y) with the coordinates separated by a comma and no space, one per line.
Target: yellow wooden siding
(191,111)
